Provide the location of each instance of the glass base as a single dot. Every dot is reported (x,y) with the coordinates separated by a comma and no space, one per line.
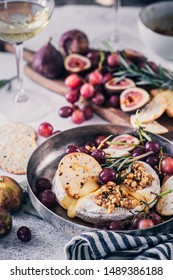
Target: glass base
(117,41)
(34,108)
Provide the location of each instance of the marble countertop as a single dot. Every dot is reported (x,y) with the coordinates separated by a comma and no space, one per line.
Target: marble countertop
(48,242)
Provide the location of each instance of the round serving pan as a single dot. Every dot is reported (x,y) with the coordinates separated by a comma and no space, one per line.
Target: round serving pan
(44,162)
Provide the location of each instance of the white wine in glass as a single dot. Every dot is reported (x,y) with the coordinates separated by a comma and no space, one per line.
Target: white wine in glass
(19,21)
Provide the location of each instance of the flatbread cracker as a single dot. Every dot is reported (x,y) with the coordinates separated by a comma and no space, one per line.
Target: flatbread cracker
(17,143)
(164,205)
(154,127)
(153,110)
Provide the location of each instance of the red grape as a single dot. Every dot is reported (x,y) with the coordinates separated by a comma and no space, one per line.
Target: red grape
(138,152)
(98,99)
(116,225)
(45,129)
(113,60)
(88,112)
(114,101)
(71,149)
(24,234)
(95,78)
(47,197)
(65,112)
(152,160)
(106,175)
(83,150)
(43,184)
(145,223)
(87,90)
(78,116)
(155,218)
(72,96)
(73,81)
(152,146)
(99,139)
(107,77)
(167,165)
(99,155)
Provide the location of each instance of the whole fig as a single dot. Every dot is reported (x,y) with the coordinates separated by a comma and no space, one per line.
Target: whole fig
(5,222)
(73,41)
(11,194)
(48,62)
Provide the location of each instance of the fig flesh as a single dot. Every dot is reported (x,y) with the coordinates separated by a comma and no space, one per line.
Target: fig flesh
(11,194)
(48,62)
(5,222)
(117,85)
(76,63)
(73,41)
(133,98)
(115,149)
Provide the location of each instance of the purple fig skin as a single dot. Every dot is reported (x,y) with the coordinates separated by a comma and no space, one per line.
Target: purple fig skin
(11,194)
(73,41)
(5,222)
(48,62)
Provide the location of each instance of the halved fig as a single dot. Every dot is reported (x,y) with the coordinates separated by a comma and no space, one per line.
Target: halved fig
(134,56)
(76,63)
(133,98)
(128,141)
(117,85)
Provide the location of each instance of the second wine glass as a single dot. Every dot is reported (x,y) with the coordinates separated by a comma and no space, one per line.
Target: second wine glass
(19,21)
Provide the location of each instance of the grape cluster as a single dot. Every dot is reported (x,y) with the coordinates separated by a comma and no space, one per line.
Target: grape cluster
(83,91)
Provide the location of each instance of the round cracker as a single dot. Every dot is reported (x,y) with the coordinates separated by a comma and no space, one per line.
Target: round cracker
(17,143)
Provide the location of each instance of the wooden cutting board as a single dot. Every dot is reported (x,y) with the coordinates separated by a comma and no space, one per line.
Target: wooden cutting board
(110,114)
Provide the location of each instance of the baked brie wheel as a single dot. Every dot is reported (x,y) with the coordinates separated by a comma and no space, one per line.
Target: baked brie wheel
(77,189)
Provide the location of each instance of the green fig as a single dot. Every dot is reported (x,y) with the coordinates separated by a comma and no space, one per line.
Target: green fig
(11,194)
(5,222)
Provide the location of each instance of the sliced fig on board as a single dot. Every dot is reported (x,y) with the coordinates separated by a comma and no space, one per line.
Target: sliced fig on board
(117,85)
(133,98)
(134,56)
(76,63)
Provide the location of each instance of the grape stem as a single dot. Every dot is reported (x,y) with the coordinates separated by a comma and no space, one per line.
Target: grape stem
(147,204)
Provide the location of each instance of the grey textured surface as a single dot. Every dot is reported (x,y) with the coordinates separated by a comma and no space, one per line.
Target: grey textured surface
(46,243)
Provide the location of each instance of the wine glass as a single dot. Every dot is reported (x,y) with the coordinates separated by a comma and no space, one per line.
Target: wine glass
(21,20)
(120,37)
(113,37)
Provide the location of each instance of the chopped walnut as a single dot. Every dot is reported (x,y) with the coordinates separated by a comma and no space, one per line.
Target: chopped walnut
(138,178)
(110,196)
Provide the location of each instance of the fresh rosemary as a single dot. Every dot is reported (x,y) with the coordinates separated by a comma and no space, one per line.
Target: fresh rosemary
(145,74)
(5,82)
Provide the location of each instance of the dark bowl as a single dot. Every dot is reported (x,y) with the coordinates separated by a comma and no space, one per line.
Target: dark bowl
(44,162)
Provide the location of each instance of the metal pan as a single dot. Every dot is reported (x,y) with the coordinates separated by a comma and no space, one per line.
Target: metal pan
(44,162)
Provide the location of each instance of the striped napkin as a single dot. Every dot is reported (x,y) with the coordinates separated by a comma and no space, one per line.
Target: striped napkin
(100,244)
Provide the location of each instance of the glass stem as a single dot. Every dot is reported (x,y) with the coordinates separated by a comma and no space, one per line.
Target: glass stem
(114,36)
(20,94)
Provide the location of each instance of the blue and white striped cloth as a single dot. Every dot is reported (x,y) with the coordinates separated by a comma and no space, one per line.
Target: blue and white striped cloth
(100,244)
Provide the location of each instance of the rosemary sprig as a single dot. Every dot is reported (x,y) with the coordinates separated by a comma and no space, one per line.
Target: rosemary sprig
(5,82)
(125,144)
(146,75)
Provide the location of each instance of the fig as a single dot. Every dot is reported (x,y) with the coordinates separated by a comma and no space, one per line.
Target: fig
(76,63)
(117,85)
(73,41)
(134,56)
(48,62)
(11,194)
(124,138)
(5,222)
(133,98)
